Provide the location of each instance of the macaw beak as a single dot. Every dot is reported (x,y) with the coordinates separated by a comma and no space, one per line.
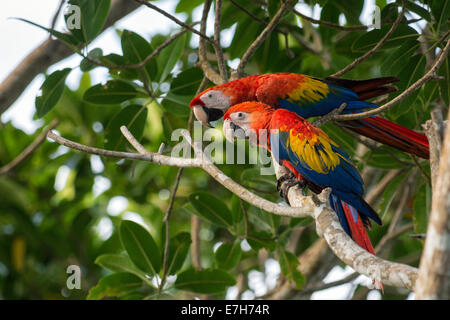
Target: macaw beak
(207,115)
(232,131)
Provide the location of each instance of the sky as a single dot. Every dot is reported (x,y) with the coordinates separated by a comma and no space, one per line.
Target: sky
(19,39)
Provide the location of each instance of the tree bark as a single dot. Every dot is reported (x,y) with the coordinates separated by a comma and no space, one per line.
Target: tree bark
(434,271)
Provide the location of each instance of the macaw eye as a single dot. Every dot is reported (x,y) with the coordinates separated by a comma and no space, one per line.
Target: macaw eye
(240,115)
(210,95)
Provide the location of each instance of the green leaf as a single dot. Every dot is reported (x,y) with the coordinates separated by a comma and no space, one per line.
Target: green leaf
(236,209)
(384,160)
(396,62)
(94,55)
(411,6)
(178,250)
(413,70)
(118,60)
(187,6)
(140,246)
(261,239)
(68,39)
(93,17)
(211,208)
(114,285)
(422,207)
(119,263)
(186,82)
(441,12)
(288,264)
(389,193)
(134,117)
(204,281)
(51,91)
(300,222)
(368,40)
(135,50)
(113,92)
(178,105)
(169,57)
(252,178)
(228,255)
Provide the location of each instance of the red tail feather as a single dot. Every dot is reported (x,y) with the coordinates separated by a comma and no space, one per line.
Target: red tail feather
(359,233)
(360,236)
(392,134)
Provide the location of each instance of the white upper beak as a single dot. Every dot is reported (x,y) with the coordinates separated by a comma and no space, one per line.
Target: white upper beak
(201,115)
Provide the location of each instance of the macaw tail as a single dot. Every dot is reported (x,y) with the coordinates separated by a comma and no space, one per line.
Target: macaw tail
(366,89)
(354,224)
(391,134)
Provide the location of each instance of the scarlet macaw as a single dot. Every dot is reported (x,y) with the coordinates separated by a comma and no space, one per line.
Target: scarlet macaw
(310,97)
(313,155)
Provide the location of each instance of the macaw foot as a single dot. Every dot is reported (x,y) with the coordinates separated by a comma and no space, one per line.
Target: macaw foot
(286,182)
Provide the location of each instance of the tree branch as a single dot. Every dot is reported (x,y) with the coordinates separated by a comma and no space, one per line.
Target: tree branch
(416,85)
(328,227)
(174,19)
(434,132)
(371,52)
(28,150)
(209,72)
(264,34)
(217,46)
(434,274)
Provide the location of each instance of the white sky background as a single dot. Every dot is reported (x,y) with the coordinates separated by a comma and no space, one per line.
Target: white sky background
(18,39)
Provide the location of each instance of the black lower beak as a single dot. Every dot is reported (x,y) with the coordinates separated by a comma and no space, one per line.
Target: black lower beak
(213,114)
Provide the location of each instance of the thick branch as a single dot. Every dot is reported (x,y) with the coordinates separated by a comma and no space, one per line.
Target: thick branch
(434,271)
(434,132)
(328,226)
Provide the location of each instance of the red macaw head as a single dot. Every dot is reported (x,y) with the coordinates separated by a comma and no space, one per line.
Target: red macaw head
(247,120)
(211,104)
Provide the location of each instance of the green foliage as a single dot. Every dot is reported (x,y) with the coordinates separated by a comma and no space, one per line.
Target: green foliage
(45,226)
(51,91)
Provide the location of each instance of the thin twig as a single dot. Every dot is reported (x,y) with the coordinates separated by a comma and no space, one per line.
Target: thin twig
(260,39)
(217,45)
(146,59)
(324,119)
(166,221)
(416,85)
(195,237)
(174,19)
(209,72)
(28,150)
(55,16)
(329,24)
(371,52)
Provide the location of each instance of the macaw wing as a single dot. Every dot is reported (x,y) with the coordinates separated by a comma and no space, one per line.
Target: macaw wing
(313,97)
(318,159)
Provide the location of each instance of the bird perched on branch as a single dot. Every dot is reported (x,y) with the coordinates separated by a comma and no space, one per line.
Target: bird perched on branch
(311,97)
(312,156)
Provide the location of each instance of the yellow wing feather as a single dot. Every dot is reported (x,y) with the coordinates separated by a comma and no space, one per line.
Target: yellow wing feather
(321,160)
(309,91)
